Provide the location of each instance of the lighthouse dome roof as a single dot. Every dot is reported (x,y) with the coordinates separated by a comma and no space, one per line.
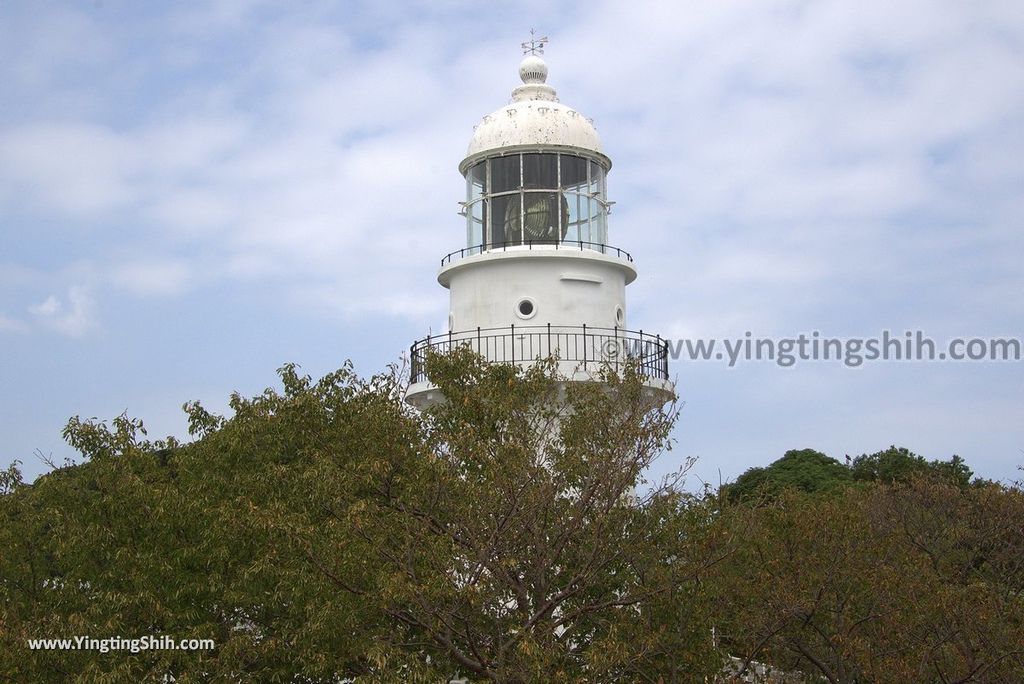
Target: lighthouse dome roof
(535,117)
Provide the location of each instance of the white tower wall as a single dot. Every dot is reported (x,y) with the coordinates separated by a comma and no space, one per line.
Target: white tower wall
(562,287)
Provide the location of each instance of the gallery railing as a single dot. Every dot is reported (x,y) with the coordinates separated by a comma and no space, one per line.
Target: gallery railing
(583,346)
(531,244)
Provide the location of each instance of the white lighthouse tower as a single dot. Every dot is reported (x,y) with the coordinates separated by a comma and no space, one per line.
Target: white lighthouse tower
(538,276)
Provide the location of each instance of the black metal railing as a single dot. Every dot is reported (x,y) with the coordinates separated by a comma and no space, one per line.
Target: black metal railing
(530,244)
(582,347)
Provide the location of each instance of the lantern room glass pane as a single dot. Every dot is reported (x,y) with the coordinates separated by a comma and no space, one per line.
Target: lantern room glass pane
(540,171)
(477,181)
(476,188)
(505,174)
(504,227)
(475,224)
(574,173)
(578,216)
(598,221)
(596,179)
(575,186)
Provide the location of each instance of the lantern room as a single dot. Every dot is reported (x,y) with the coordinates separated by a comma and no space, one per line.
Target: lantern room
(535,198)
(535,172)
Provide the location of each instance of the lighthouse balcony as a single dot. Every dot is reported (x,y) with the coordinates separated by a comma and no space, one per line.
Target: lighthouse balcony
(581,352)
(538,245)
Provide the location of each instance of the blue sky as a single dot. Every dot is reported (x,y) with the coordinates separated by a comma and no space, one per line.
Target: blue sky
(193,194)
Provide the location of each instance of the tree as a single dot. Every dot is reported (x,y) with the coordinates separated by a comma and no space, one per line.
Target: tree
(515,541)
(329,530)
(918,581)
(805,470)
(811,471)
(82,555)
(898,464)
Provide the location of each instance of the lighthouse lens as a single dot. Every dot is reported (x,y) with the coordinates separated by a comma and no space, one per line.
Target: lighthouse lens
(535,219)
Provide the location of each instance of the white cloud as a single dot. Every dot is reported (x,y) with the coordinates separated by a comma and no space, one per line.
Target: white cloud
(151,277)
(74,317)
(362,302)
(8,324)
(37,53)
(72,168)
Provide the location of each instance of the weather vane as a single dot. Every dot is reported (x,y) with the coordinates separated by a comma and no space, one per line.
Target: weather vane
(534,46)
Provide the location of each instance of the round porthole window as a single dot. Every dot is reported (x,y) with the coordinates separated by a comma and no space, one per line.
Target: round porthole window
(526,308)
(620,316)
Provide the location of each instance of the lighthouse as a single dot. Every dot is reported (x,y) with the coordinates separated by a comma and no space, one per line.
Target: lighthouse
(538,275)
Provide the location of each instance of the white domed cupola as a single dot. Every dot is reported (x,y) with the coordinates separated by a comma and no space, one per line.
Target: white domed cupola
(534,117)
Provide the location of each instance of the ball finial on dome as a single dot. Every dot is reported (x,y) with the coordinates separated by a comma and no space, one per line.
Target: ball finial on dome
(533,70)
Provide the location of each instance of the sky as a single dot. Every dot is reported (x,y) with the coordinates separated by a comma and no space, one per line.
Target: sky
(193,194)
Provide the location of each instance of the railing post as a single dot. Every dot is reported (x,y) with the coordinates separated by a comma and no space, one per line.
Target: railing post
(478,341)
(584,346)
(549,339)
(663,346)
(616,348)
(643,352)
(412,360)
(658,357)
(426,351)
(512,342)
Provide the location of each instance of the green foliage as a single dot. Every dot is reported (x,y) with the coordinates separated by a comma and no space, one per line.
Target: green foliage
(810,471)
(10,478)
(919,581)
(897,464)
(524,552)
(328,530)
(804,470)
